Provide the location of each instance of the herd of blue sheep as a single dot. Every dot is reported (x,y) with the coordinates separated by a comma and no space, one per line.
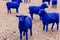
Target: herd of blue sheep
(25,22)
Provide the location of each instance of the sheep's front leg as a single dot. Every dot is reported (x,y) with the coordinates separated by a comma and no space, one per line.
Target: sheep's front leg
(52,26)
(26,35)
(16,10)
(20,35)
(9,10)
(56,6)
(30,31)
(43,26)
(47,28)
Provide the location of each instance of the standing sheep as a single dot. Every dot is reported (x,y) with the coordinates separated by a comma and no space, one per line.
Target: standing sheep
(48,18)
(54,3)
(24,24)
(13,4)
(35,9)
(46,1)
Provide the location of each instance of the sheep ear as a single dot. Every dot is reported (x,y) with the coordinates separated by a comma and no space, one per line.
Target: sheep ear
(17,16)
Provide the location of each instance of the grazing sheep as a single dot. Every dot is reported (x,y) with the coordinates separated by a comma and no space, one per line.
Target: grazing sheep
(26,1)
(13,4)
(35,9)
(48,18)
(46,1)
(24,24)
(54,3)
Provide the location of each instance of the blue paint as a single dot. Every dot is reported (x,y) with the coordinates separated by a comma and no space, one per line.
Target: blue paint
(35,9)
(48,18)
(24,24)
(14,5)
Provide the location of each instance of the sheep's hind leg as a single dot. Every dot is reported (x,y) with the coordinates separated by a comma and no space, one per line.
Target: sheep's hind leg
(43,26)
(57,26)
(46,28)
(10,10)
(16,10)
(52,26)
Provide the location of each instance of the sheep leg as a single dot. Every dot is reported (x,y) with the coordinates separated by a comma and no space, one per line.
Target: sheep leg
(9,10)
(43,1)
(57,26)
(55,6)
(49,3)
(26,35)
(52,26)
(20,35)
(43,26)
(16,10)
(31,15)
(30,31)
(47,28)
(52,6)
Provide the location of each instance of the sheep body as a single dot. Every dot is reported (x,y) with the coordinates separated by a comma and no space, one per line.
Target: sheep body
(24,24)
(48,18)
(35,9)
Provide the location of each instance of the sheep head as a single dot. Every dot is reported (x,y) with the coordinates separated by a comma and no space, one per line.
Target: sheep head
(41,12)
(44,5)
(21,18)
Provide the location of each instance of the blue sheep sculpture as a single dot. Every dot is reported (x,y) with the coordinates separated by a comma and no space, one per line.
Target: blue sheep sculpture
(48,18)
(24,24)
(54,3)
(35,9)
(26,1)
(46,1)
(13,4)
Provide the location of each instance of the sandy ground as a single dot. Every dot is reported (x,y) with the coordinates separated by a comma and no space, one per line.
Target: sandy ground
(9,23)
